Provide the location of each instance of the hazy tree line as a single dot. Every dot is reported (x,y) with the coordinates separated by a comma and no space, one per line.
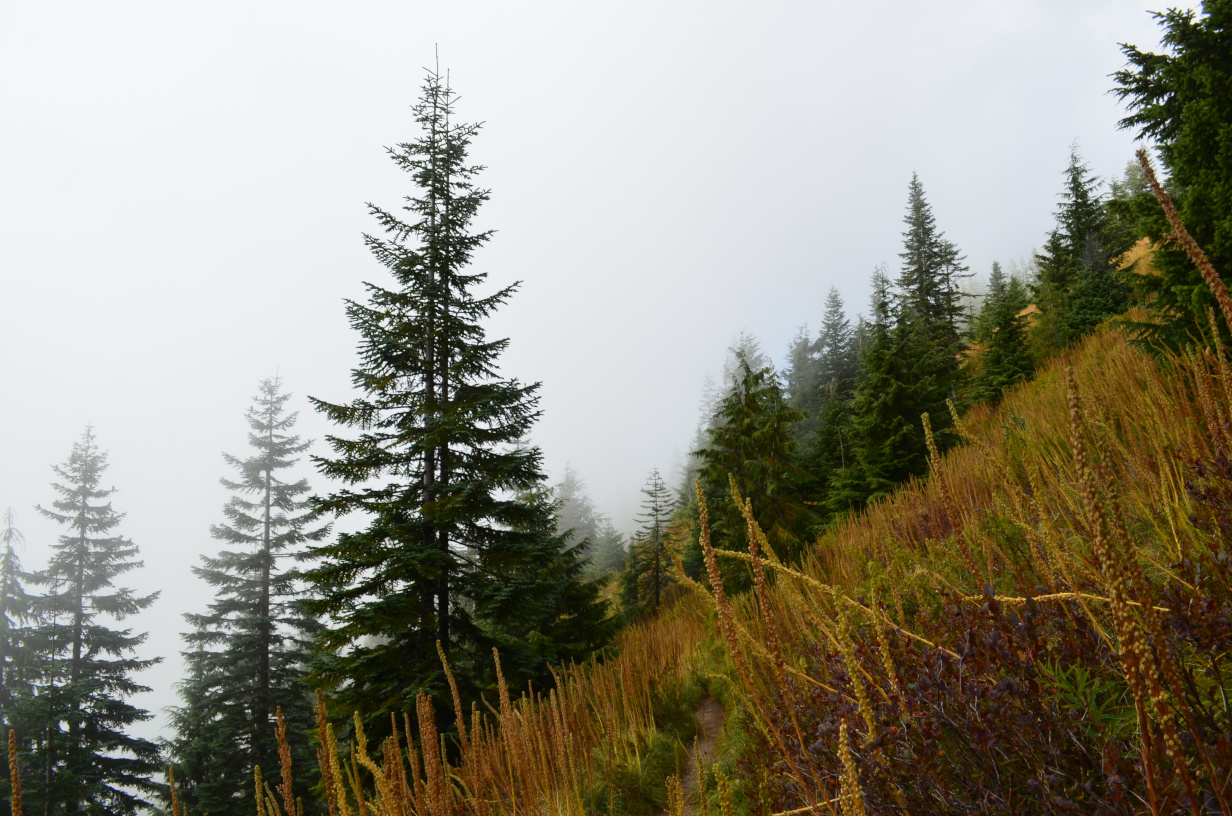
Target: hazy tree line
(460,548)
(840,424)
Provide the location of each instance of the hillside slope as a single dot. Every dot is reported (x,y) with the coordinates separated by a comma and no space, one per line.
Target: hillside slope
(1044,625)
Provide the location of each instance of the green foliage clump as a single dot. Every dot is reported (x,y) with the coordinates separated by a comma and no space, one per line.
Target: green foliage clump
(1181,100)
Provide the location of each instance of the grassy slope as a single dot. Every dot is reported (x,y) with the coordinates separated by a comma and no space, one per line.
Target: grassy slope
(1069,568)
(886,677)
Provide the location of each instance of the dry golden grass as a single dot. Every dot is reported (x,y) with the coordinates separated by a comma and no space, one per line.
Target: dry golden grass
(538,754)
(1082,463)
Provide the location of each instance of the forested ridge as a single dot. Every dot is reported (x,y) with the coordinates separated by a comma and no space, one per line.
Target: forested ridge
(965,550)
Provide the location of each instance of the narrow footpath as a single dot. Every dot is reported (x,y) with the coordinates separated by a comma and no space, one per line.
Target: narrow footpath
(710,718)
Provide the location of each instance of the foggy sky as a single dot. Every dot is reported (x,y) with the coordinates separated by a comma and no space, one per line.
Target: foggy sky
(182,194)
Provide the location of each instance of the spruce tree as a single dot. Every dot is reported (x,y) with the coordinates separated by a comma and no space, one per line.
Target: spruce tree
(84,669)
(901,378)
(751,443)
(536,606)
(248,654)
(1006,357)
(984,321)
(838,367)
(454,516)
(930,287)
(585,527)
(1181,100)
(802,383)
(15,608)
(835,346)
(650,563)
(832,448)
(1077,286)
(608,554)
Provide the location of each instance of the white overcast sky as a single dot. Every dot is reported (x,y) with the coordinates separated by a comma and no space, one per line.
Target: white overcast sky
(182,193)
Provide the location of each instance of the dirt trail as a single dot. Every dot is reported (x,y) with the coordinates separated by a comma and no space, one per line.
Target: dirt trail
(709,722)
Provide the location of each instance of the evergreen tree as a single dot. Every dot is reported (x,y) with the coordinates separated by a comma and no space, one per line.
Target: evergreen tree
(577,518)
(1182,101)
(436,466)
(84,669)
(248,654)
(932,270)
(985,322)
(707,408)
(650,566)
(15,607)
(751,444)
(835,347)
(539,610)
(803,386)
(1006,358)
(585,527)
(609,550)
(929,287)
(838,367)
(832,447)
(901,379)
(1078,286)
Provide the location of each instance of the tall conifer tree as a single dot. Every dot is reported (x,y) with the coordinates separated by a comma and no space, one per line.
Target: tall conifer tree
(1077,286)
(751,443)
(901,376)
(1181,100)
(837,369)
(834,347)
(454,512)
(1005,359)
(930,287)
(15,608)
(649,559)
(248,654)
(803,386)
(88,763)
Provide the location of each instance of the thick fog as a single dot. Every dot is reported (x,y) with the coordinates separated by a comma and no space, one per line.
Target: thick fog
(183,188)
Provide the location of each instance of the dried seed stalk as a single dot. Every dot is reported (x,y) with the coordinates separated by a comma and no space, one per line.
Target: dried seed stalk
(1195,253)
(14,775)
(947,501)
(852,802)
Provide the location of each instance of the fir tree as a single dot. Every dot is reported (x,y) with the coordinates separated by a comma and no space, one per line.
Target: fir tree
(832,448)
(15,608)
(751,444)
(985,320)
(1181,100)
(537,607)
(609,551)
(901,378)
(585,527)
(929,287)
(247,655)
(454,515)
(1077,286)
(649,561)
(1006,358)
(803,386)
(84,669)
(577,518)
(835,347)
(838,367)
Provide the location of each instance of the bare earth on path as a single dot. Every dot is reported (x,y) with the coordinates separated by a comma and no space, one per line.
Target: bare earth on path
(709,722)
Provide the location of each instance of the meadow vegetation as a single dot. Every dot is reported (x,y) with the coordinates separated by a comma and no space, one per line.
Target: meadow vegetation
(948,561)
(1041,625)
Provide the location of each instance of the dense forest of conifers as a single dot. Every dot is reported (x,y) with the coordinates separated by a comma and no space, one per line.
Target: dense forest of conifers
(850,572)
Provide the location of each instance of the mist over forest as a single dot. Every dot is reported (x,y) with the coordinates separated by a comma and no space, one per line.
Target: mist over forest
(383,377)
